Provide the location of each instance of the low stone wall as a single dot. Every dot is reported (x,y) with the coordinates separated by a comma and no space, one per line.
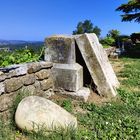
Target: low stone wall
(34,78)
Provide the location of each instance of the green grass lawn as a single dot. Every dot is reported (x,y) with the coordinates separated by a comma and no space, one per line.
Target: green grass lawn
(118,119)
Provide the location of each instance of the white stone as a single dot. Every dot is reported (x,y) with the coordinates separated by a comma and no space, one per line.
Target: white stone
(68,76)
(98,64)
(2,88)
(82,94)
(60,49)
(35,112)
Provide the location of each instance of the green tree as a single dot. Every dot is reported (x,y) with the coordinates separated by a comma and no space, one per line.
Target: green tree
(113,33)
(87,27)
(131,11)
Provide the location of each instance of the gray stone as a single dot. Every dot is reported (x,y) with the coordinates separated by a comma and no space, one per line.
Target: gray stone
(2,88)
(34,67)
(68,76)
(98,64)
(82,94)
(46,84)
(22,70)
(48,93)
(60,49)
(2,77)
(42,74)
(45,65)
(6,101)
(1,73)
(36,112)
(28,79)
(13,84)
(29,90)
(37,85)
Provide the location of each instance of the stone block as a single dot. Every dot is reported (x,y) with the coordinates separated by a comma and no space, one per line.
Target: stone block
(13,84)
(46,84)
(42,74)
(82,94)
(98,64)
(28,79)
(60,49)
(68,76)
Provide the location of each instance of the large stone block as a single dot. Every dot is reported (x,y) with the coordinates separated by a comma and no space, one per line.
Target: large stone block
(60,49)
(68,76)
(98,64)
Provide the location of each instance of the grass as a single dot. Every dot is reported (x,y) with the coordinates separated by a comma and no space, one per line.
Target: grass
(116,120)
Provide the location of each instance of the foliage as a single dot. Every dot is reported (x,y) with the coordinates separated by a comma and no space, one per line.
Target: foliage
(108,41)
(19,56)
(135,37)
(87,27)
(113,33)
(131,11)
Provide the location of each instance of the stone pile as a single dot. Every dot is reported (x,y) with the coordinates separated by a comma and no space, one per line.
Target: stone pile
(34,78)
(60,50)
(68,74)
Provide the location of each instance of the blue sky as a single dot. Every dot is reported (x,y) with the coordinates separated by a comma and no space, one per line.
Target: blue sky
(37,19)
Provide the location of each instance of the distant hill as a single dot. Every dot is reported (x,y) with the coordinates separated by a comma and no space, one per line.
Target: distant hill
(19,44)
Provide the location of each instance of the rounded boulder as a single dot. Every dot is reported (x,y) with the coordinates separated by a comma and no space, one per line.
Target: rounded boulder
(34,113)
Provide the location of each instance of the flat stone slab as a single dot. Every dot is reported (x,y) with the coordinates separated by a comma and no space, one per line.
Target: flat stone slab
(82,94)
(60,49)
(68,76)
(98,64)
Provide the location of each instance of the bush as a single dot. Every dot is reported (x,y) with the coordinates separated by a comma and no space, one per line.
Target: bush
(108,41)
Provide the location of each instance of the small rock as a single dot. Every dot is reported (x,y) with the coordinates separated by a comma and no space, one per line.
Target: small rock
(46,84)
(43,74)
(28,79)
(36,112)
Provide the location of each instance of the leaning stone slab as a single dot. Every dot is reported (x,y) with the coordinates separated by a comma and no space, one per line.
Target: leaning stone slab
(98,64)
(35,112)
(68,76)
(60,49)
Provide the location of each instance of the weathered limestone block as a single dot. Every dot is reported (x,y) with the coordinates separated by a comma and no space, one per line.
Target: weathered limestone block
(68,76)
(28,79)
(45,65)
(60,49)
(43,74)
(2,77)
(13,84)
(46,84)
(2,88)
(82,94)
(35,67)
(98,64)
(36,112)
(22,70)
(37,85)
(30,90)
(6,101)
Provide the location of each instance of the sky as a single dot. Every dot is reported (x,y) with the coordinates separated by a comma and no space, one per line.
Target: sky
(36,19)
